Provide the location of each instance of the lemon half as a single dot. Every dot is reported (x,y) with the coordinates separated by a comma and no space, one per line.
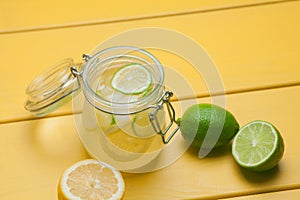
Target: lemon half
(91,180)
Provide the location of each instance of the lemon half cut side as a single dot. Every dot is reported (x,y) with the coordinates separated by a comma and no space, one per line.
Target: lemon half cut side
(91,180)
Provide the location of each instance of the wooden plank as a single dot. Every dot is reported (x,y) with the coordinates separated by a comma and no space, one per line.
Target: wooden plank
(245,44)
(33,154)
(288,194)
(19,15)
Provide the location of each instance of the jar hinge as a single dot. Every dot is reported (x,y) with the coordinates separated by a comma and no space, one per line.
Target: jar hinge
(165,99)
(78,72)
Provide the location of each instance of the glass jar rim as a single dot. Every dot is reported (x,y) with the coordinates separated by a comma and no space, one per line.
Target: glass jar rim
(121,108)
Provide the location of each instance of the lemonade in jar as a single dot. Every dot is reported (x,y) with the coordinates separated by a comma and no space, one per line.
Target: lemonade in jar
(127,136)
(128,104)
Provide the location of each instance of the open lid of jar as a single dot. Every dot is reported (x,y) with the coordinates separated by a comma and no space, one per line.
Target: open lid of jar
(52,89)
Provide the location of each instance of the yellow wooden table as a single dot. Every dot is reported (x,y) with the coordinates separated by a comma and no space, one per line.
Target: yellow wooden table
(255,46)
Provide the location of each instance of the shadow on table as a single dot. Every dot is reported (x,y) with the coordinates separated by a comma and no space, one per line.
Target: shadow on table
(260,177)
(217,152)
(250,176)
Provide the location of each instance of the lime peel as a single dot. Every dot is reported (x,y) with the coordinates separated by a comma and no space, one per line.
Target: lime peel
(198,119)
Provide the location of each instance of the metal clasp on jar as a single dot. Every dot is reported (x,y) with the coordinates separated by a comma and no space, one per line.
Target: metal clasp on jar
(165,99)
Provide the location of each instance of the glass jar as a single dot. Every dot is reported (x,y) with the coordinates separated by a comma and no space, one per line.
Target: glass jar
(126,117)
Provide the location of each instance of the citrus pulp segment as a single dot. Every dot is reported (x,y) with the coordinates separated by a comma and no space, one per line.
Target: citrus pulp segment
(90,180)
(131,79)
(258,146)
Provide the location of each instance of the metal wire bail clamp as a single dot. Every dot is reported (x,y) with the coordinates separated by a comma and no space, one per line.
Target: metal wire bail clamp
(165,99)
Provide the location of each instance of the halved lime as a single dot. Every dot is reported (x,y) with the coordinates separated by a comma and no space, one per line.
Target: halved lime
(258,146)
(131,79)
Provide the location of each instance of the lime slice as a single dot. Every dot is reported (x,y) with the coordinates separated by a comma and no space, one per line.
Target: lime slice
(131,79)
(258,146)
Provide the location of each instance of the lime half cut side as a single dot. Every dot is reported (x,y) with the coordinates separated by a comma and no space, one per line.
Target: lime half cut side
(258,146)
(131,79)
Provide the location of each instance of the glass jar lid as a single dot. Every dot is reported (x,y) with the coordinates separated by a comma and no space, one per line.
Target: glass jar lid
(51,89)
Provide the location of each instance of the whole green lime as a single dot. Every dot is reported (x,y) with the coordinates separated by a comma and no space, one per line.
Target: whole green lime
(208,126)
